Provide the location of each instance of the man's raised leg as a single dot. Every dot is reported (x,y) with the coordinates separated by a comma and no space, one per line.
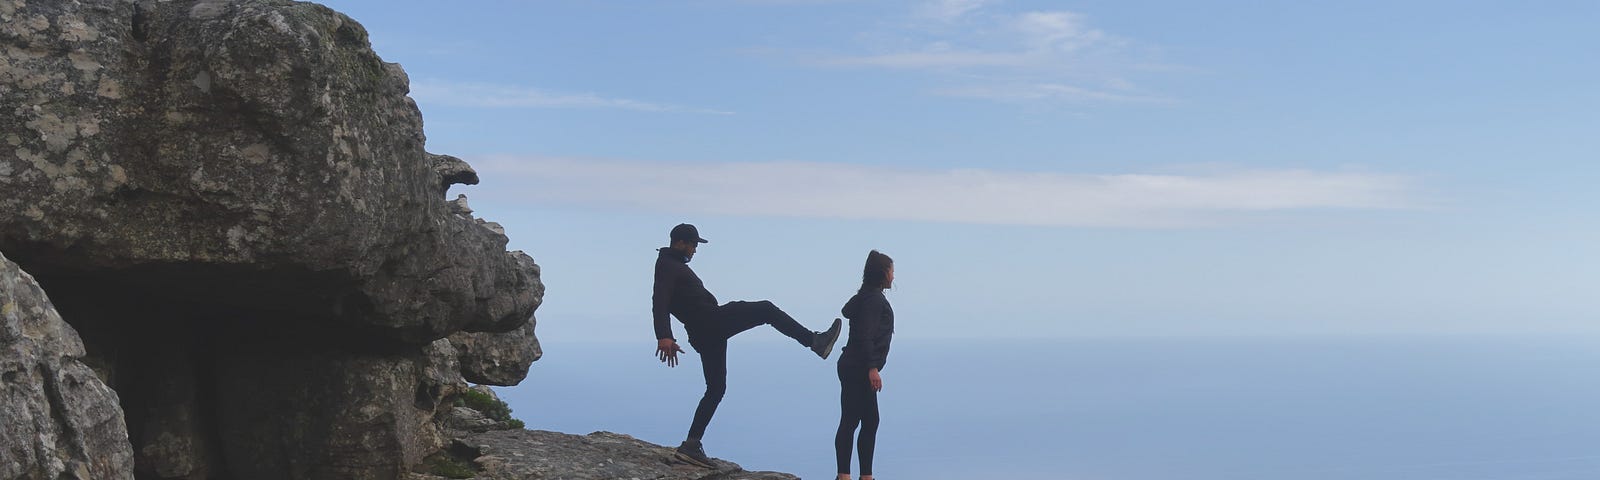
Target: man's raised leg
(736,317)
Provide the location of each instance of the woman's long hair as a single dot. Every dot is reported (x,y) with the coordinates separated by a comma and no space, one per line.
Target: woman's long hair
(876,273)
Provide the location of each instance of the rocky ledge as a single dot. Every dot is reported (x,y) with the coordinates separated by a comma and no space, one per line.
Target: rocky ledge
(487,444)
(544,455)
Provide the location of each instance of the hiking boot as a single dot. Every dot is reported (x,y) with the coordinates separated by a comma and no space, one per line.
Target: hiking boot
(691,453)
(823,344)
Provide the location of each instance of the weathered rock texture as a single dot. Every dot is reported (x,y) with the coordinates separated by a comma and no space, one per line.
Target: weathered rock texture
(231,202)
(59,419)
(501,358)
(542,455)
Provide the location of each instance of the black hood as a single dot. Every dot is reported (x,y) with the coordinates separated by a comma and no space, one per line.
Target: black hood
(853,307)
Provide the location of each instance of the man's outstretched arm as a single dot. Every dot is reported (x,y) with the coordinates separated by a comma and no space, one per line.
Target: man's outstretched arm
(661,302)
(667,348)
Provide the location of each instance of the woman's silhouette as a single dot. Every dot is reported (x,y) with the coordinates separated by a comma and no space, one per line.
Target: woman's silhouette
(871,329)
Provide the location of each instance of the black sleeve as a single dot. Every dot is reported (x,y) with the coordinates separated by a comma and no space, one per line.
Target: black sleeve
(661,300)
(880,357)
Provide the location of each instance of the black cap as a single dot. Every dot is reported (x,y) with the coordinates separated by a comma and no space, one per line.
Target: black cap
(687,233)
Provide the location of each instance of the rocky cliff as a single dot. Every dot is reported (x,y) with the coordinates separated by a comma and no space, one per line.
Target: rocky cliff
(243,264)
(231,205)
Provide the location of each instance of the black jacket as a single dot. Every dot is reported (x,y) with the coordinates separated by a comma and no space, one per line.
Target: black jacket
(871,330)
(678,291)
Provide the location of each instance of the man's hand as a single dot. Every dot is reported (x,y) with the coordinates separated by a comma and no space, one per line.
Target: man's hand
(667,350)
(877,381)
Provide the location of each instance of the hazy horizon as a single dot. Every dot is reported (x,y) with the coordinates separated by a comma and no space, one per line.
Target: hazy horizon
(1312,408)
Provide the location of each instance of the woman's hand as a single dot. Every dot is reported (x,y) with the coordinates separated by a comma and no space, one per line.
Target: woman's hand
(877,381)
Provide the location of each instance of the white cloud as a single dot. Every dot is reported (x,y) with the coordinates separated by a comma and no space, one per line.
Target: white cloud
(1035,55)
(1063,32)
(950,10)
(483,95)
(1031,42)
(976,196)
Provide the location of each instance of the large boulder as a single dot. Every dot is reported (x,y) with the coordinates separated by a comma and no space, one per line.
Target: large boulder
(60,420)
(231,202)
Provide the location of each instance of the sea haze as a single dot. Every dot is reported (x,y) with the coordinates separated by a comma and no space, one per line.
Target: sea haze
(1301,408)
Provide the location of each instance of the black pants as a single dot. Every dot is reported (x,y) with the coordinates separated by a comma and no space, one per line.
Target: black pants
(710,339)
(858,405)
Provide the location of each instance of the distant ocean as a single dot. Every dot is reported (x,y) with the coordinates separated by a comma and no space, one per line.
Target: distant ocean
(1302,408)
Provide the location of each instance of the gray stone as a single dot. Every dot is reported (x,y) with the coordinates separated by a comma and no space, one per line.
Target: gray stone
(459,206)
(497,358)
(60,420)
(466,420)
(452,170)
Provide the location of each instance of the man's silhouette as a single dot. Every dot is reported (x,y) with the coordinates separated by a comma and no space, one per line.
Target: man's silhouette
(679,292)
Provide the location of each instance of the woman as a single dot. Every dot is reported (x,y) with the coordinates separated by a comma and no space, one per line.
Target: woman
(871,327)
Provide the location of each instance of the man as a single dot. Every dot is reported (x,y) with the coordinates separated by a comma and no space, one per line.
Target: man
(678,291)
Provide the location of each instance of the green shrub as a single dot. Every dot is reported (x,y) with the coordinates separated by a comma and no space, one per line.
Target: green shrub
(449,467)
(490,406)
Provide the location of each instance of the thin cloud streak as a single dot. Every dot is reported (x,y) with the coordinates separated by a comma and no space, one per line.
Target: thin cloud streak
(1047,91)
(932,59)
(971,196)
(481,95)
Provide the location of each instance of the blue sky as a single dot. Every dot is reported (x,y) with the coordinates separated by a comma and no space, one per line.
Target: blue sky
(1037,169)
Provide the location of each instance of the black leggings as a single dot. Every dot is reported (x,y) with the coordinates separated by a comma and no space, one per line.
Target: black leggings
(711,341)
(858,404)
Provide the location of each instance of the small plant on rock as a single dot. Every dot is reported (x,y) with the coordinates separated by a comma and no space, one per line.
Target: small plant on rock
(493,408)
(449,467)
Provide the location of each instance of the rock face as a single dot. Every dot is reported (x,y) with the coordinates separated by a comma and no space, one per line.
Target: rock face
(60,420)
(231,203)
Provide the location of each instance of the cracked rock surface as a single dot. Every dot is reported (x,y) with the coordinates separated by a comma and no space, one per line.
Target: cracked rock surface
(60,420)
